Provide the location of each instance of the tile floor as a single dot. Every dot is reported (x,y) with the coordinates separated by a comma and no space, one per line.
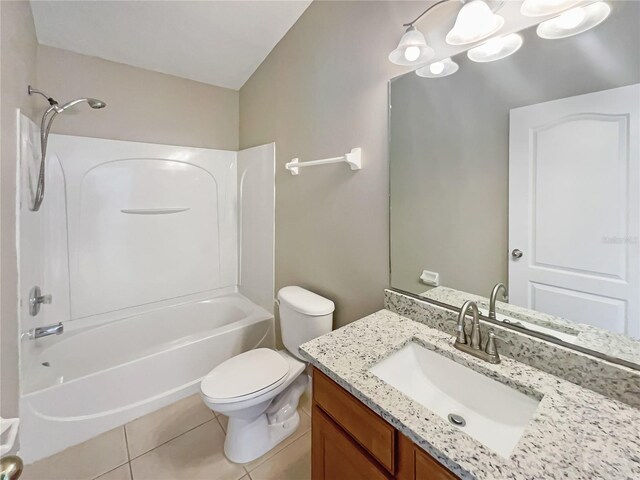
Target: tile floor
(179,442)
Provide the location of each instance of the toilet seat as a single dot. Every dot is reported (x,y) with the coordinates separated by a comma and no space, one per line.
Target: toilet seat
(245,376)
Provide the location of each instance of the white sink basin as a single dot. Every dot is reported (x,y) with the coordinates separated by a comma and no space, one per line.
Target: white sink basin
(495,415)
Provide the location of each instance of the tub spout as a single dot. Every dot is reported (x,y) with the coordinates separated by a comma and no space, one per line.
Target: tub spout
(55,329)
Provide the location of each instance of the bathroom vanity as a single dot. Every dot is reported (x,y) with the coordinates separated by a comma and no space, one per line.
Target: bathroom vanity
(369,421)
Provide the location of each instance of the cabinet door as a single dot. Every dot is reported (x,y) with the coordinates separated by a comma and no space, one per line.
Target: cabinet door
(371,432)
(335,456)
(416,464)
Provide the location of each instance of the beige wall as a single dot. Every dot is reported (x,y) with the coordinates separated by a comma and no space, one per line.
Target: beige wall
(320,92)
(17,69)
(142,105)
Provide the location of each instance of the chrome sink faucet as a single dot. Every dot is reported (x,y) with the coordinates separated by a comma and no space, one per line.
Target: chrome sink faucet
(494,296)
(473,346)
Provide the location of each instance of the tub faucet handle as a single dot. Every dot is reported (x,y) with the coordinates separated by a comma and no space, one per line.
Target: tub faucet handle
(36,299)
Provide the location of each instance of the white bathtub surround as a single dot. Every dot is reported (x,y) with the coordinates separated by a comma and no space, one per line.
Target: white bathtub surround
(141,247)
(260,390)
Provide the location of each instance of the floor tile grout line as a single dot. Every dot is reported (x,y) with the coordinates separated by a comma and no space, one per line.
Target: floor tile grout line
(222,427)
(111,470)
(171,439)
(126,443)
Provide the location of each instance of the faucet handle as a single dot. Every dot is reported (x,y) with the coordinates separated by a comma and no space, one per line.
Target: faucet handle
(491,344)
(36,299)
(491,349)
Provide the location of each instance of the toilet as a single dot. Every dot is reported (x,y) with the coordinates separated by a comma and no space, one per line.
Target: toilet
(259,390)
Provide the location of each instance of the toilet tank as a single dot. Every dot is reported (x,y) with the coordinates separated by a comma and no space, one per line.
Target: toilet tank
(304,315)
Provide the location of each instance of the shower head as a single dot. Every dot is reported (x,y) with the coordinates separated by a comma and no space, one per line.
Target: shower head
(93,103)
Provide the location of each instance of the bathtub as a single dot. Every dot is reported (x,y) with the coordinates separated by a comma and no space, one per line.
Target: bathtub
(90,380)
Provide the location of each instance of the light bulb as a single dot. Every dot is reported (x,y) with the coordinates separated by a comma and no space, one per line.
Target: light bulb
(412,49)
(436,68)
(411,53)
(571,18)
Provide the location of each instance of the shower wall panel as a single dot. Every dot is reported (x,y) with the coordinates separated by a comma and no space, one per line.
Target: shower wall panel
(256,223)
(145,222)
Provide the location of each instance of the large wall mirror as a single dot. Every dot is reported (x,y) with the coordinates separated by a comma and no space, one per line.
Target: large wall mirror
(525,171)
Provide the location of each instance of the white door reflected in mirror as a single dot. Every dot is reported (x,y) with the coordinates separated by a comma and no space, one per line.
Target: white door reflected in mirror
(574,204)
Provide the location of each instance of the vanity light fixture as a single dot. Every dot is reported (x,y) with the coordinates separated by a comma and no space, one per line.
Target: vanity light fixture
(574,21)
(441,68)
(475,22)
(412,49)
(496,48)
(540,8)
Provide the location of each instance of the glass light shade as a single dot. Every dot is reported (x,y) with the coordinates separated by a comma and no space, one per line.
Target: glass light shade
(539,8)
(475,22)
(574,21)
(496,48)
(438,69)
(412,49)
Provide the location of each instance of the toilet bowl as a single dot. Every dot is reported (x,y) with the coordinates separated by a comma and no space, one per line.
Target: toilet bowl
(259,390)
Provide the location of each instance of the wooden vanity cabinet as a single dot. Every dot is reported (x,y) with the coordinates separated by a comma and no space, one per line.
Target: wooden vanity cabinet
(350,442)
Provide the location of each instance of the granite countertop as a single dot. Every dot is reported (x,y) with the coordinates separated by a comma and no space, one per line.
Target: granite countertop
(575,433)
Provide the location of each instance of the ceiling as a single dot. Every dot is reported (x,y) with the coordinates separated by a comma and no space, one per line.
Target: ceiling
(216,42)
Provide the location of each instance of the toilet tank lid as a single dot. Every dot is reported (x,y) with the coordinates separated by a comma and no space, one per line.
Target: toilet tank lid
(304,301)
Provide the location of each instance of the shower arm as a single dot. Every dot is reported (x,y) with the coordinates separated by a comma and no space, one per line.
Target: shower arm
(31,91)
